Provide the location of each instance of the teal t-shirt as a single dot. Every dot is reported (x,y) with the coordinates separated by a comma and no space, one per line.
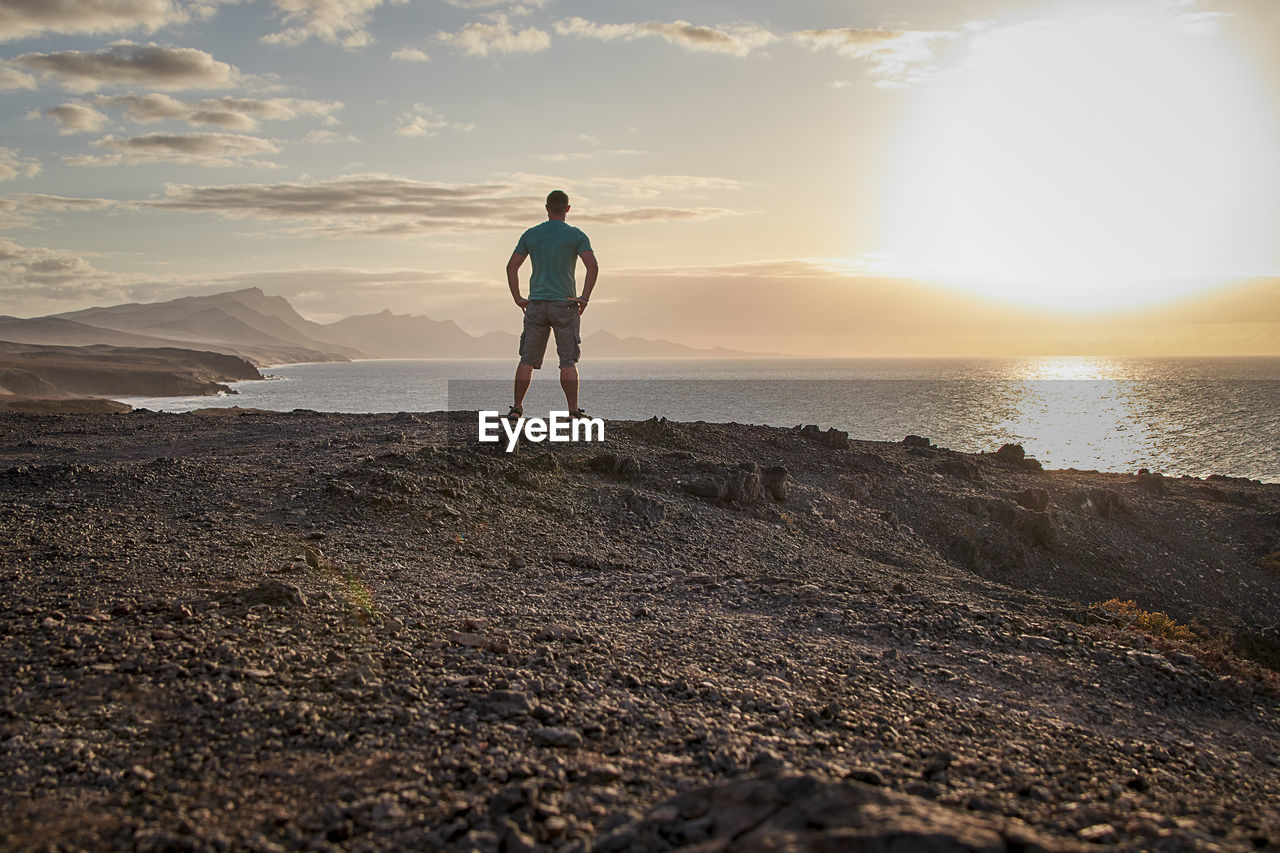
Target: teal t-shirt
(554,247)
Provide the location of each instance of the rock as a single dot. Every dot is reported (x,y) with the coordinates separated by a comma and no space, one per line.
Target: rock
(774,481)
(1099,833)
(916,441)
(744,488)
(866,776)
(961,469)
(470,640)
(834,438)
(710,486)
(1011,453)
(558,737)
(620,467)
(1034,499)
(507,703)
(1107,504)
(1153,483)
(599,774)
(644,506)
(514,840)
(273,594)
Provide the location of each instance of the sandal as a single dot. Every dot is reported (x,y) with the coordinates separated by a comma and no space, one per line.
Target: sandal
(514,412)
(578,414)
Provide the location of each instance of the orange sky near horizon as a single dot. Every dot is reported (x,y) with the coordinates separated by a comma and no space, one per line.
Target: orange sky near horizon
(981,177)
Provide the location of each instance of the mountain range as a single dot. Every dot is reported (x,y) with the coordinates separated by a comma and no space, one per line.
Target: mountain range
(267,330)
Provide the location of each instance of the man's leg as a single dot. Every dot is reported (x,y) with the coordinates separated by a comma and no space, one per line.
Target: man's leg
(569,384)
(524,375)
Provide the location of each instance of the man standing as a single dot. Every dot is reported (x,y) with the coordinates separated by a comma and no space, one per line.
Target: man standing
(553,303)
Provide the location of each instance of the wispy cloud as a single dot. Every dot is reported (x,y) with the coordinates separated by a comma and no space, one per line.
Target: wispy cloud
(14,165)
(737,41)
(338,22)
(28,18)
(379,205)
(194,149)
(227,113)
(73,118)
(897,58)
(423,120)
(130,64)
(497,36)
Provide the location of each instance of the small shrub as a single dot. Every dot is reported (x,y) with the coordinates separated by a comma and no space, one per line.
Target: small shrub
(1271,561)
(1128,615)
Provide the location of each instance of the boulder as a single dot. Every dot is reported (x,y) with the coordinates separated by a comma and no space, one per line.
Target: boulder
(1011,453)
(774,480)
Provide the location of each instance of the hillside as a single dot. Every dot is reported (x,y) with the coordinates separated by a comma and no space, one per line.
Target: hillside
(33,371)
(242,630)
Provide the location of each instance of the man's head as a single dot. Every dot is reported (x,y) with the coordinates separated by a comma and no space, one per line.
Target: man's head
(557,203)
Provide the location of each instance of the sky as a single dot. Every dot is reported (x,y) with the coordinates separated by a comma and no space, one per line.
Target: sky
(870,177)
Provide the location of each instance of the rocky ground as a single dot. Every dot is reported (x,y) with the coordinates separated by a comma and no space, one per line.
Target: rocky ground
(337,632)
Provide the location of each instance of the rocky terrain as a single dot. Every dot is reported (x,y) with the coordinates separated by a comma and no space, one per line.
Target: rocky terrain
(259,631)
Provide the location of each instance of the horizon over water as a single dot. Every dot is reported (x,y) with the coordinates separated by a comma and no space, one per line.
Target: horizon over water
(1194,416)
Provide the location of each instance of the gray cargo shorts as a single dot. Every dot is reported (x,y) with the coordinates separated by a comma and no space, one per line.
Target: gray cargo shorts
(540,318)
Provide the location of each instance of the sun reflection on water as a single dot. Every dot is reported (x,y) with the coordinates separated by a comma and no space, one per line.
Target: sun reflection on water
(1079,412)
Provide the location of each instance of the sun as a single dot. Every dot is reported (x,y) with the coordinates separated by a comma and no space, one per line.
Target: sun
(1089,162)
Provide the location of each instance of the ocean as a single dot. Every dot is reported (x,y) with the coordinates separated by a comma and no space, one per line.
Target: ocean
(1176,416)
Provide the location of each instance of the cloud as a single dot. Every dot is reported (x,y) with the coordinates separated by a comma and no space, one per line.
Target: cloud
(14,165)
(27,18)
(645,186)
(73,118)
(515,7)
(425,121)
(52,276)
(195,149)
(227,113)
(737,41)
(12,78)
(499,36)
(328,137)
(898,58)
(126,63)
(410,54)
(379,205)
(45,203)
(336,22)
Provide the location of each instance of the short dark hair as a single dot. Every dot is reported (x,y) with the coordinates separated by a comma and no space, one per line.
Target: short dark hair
(557,200)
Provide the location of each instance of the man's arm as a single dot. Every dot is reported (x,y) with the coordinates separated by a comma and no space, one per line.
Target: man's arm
(513,279)
(593,272)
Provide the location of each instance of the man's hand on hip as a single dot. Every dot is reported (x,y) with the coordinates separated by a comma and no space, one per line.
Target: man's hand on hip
(582,304)
(522,303)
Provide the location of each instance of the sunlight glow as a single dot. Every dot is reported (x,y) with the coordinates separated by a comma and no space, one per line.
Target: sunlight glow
(1089,162)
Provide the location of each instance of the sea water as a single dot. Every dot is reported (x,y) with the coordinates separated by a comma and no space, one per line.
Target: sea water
(1176,416)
